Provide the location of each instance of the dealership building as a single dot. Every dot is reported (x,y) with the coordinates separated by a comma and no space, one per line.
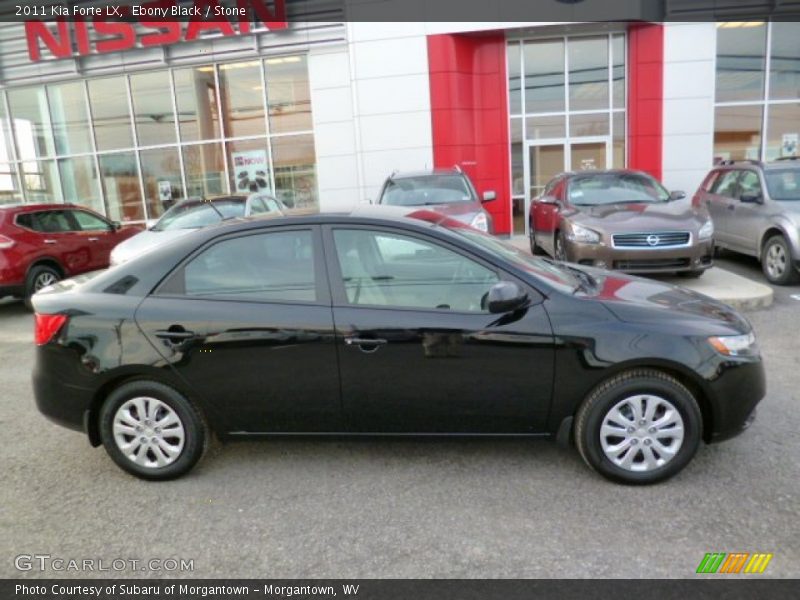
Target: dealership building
(321,112)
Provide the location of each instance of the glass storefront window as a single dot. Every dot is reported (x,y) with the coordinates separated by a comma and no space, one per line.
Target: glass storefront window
(783,131)
(741,61)
(120,181)
(196,98)
(40,181)
(517,170)
(248,164)
(785,61)
(152,108)
(161,173)
(9,185)
(110,113)
(6,151)
(618,70)
(514,79)
(31,120)
(295,170)
(539,128)
(68,113)
(737,133)
(588,125)
(618,140)
(588,73)
(205,170)
(80,183)
(288,95)
(544,76)
(242,98)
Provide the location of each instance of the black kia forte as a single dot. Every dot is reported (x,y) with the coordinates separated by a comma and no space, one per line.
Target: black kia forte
(387,322)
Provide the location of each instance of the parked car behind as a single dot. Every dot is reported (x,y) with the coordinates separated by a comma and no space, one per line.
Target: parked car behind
(622,220)
(756,211)
(191,214)
(395,321)
(449,192)
(42,243)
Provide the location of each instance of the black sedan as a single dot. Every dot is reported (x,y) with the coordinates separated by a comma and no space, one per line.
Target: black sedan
(387,321)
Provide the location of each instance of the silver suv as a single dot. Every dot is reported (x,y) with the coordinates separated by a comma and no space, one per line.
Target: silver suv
(756,210)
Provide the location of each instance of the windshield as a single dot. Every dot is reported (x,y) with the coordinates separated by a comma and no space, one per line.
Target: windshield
(553,274)
(427,190)
(783,184)
(613,188)
(199,213)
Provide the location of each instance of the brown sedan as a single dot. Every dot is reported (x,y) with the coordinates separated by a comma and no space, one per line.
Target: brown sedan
(622,220)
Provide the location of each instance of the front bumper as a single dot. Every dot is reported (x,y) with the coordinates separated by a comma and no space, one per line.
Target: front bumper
(696,257)
(734,394)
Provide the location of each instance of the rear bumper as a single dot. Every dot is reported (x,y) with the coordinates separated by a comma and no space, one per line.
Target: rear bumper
(696,257)
(734,395)
(57,398)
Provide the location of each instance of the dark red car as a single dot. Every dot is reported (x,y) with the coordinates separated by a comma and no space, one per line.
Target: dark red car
(42,243)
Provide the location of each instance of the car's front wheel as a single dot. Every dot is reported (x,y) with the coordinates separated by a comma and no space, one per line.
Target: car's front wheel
(639,427)
(776,262)
(152,431)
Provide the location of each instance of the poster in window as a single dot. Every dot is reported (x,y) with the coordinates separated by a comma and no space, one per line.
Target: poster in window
(789,145)
(250,171)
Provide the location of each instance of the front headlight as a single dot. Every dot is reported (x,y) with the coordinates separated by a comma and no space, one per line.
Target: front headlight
(735,345)
(480,222)
(706,231)
(583,235)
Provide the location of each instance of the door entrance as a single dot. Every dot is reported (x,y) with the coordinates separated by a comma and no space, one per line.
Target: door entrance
(548,158)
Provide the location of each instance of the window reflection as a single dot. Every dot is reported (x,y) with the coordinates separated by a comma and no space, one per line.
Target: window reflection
(737,133)
(740,61)
(785,61)
(9,185)
(295,170)
(152,108)
(288,94)
(120,180)
(80,183)
(618,70)
(588,73)
(242,98)
(110,113)
(514,79)
(40,181)
(783,131)
(544,76)
(196,99)
(69,118)
(161,172)
(32,126)
(205,170)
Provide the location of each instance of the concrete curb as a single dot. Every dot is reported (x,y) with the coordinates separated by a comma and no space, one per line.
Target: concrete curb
(740,292)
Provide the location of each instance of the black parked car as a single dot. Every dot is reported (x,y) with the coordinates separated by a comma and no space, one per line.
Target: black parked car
(398,321)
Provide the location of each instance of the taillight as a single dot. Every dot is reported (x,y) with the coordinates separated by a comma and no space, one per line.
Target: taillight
(5,242)
(47,326)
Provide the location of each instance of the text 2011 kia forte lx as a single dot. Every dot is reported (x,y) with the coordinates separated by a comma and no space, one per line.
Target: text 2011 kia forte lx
(387,321)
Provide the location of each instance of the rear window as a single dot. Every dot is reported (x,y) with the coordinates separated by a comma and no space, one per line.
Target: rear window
(427,190)
(194,215)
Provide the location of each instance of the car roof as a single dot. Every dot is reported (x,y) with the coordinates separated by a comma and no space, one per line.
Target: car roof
(789,162)
(591,172)
(19,206)
(428,173)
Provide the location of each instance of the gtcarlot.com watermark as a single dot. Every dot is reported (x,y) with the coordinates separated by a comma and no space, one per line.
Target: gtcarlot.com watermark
(47,562)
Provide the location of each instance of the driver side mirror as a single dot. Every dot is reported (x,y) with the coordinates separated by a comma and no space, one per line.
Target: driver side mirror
(677,195)
(489,195)
(116,225)
(505,296)
(548,200)
(751,198)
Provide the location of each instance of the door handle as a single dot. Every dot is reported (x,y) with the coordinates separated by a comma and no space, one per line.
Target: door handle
(50,242)
(94,239)
(175,335)
(367,345)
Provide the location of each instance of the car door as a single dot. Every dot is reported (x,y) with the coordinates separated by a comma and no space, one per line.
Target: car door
(97,235)
(546,210)
(746,220)
(721,199)
(57,239)
(246,322)
(418,353)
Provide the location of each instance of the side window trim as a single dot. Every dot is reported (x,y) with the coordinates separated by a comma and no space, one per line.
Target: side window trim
(335,277)
(167,287)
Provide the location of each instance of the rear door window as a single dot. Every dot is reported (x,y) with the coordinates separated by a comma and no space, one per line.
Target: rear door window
(727,184)
(89,222)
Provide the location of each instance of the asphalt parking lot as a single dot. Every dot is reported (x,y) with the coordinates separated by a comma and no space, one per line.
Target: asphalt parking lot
(404,508)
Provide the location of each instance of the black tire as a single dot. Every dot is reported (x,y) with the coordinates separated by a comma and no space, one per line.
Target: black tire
(788,275)
(195,428)
(692,274)
(35,278)
(607,395)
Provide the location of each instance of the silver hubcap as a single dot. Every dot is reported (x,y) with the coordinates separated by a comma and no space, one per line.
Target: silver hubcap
(642,433)
(148,432)
(43,280)
(776,260)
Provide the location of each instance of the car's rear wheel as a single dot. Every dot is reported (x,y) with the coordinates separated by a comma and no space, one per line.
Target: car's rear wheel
(776,262)
(39,277)
(639,427)
(152,431)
